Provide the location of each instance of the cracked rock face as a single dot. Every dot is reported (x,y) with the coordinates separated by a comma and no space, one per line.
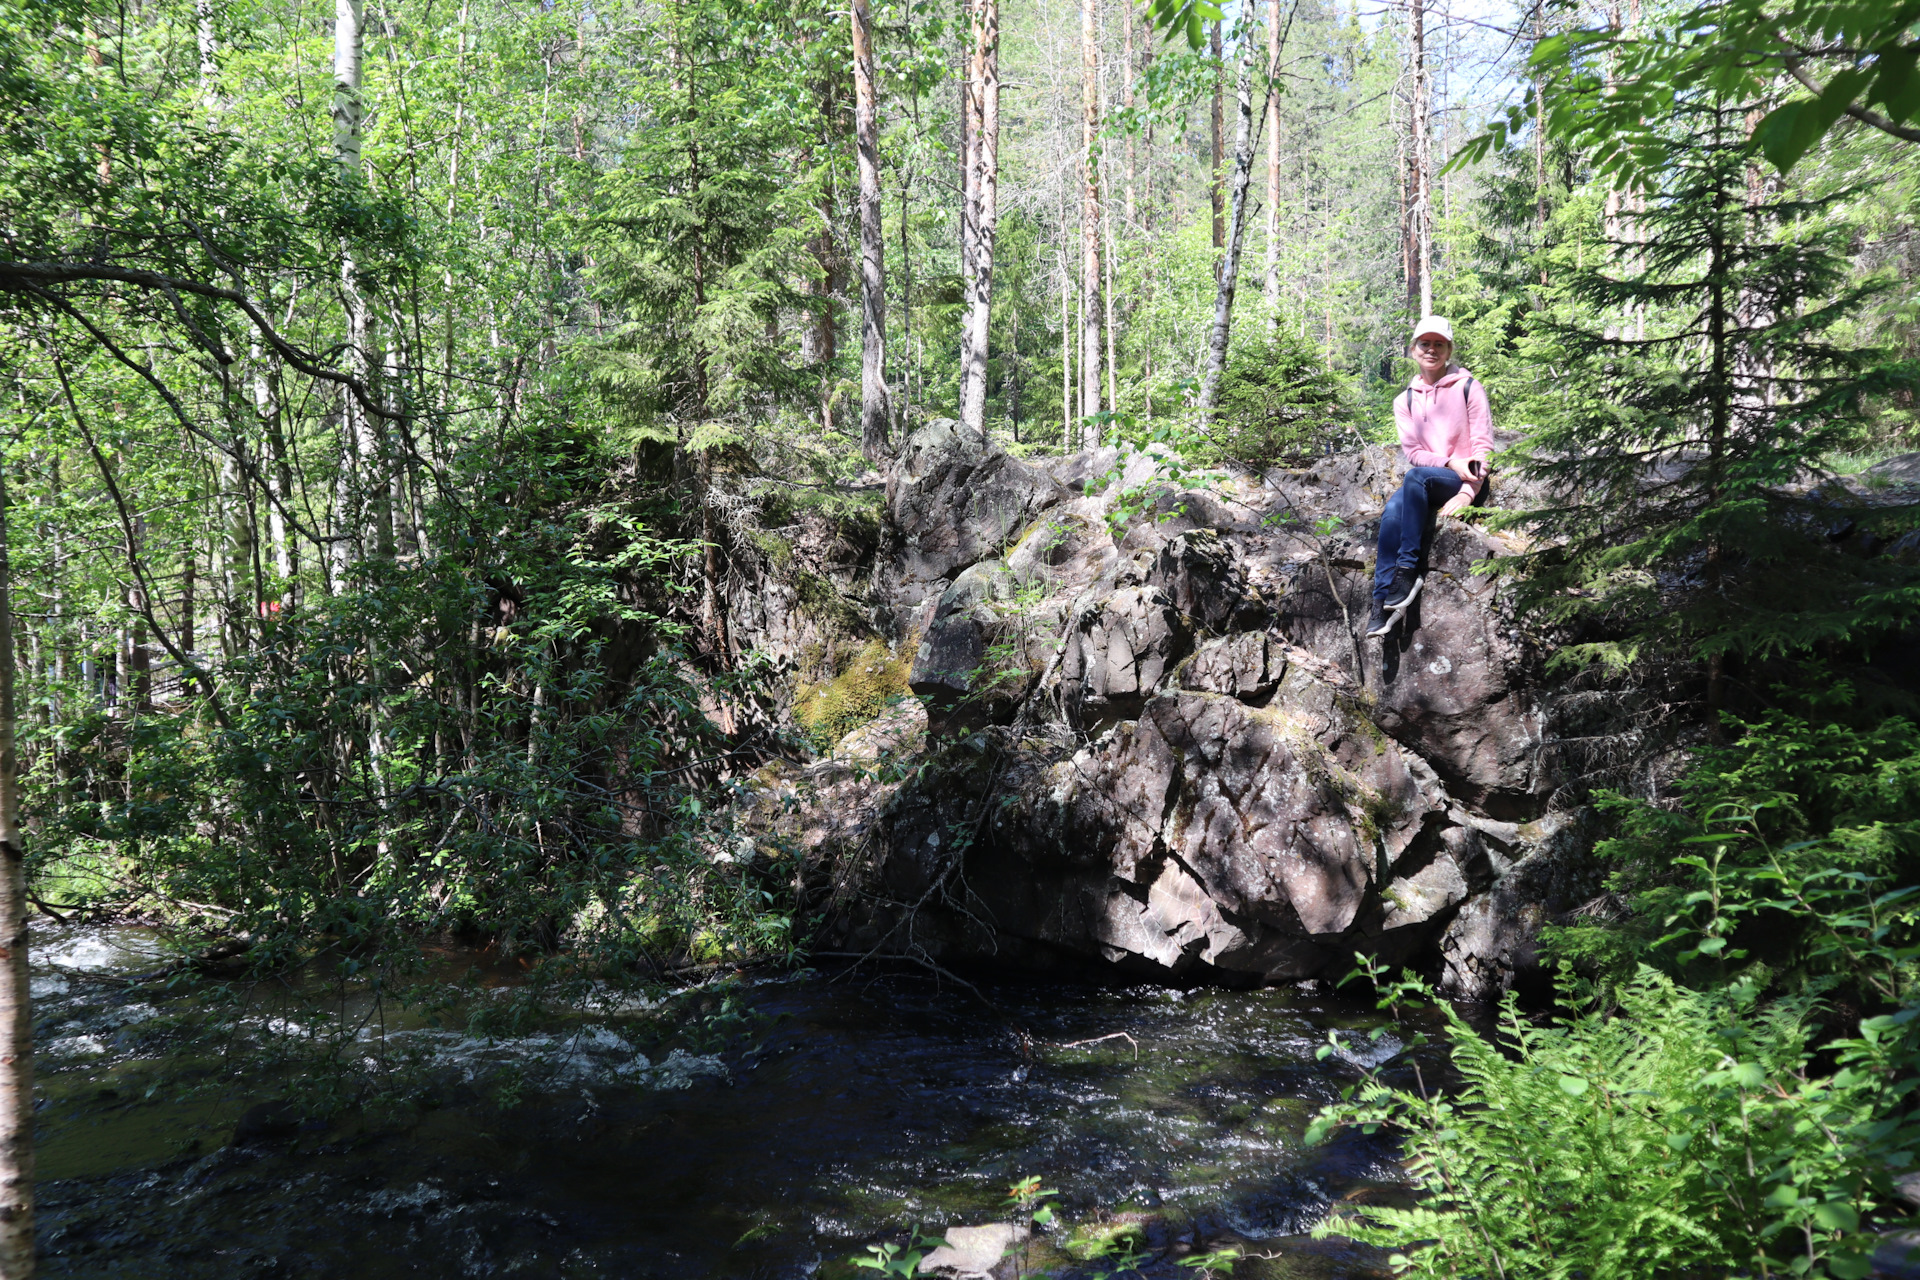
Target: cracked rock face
(1157,742)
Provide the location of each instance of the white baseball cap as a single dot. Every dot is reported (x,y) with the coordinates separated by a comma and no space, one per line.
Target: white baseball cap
(1435,325)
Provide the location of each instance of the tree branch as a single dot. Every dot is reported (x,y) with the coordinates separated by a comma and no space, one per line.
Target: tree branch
(1865,116)
(36,278)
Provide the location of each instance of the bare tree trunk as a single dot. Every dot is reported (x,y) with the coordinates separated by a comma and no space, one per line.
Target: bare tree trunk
(874,410)
(969,203)
(1066,353)
(982,213)
(236,559)
(358,446)
(1090,214)
(1273,162)
(1217,175)
(1126,97)
(16,1007)
(1540,140)
(1420,249)
(1230,264)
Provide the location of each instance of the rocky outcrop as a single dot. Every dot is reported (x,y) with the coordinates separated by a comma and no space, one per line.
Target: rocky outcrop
(1156,740)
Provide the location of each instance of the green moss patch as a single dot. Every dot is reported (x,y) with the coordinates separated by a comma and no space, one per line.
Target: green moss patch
(871,681)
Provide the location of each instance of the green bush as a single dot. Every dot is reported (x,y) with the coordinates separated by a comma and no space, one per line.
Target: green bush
(1278,402)
(1687,1137)
(1665,1132)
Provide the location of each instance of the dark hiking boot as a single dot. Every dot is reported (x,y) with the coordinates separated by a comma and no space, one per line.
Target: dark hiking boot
(1404,590)
(1382,619)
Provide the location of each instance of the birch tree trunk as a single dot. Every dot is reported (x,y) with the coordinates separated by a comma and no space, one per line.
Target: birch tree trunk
(874,410)
(1273,162)
(16,1008)
(1090,217)
(1230,264)
(981,215)
(1126,97)
(207,37)
(1420,228)
(1216,175)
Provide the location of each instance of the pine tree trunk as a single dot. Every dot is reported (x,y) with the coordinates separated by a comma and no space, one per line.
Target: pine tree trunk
(874,411)
(16,1008)
(1230,264)
(1090,215)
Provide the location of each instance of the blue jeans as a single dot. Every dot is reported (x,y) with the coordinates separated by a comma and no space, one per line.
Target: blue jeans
(1405,522)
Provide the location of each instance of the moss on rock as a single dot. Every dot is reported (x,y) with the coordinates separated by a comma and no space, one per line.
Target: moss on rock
(874,678)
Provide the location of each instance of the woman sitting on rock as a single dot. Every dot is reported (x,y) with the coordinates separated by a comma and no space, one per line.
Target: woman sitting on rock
(1446,431)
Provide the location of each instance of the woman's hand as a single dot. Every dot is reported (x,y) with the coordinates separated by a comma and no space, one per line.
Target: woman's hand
(1462,467)
(1456,504)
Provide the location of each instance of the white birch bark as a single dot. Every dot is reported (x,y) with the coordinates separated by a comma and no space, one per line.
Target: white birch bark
(1090,217)
(16,1007)
(1236,233)
(983,213)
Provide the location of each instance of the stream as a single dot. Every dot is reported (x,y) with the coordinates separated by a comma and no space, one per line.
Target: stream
(863,1103)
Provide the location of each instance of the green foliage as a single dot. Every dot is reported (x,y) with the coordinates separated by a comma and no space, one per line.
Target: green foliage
(1278,402)
(1691,1135)
(1610,85)
(890,1259)
(1787,795)
(1695,381)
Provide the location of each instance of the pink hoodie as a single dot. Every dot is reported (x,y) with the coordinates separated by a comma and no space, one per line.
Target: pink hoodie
(1451,419)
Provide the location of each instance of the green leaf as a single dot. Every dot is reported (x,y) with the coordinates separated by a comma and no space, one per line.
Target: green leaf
(1784,1196)
(1849,1266)
(1748,1075)
(1573,1086)
(1837,1215)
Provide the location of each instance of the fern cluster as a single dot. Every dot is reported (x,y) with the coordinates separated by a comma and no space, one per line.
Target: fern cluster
(1685,1135)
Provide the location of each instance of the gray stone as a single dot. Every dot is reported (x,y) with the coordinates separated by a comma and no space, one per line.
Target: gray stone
(1155,740)
(1248,666)
(1492,945)
(1201,575)
(952,506)
(1117,652)
(972,1252)
(965,681)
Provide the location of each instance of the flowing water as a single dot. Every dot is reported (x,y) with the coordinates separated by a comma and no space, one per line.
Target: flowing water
(861,1105)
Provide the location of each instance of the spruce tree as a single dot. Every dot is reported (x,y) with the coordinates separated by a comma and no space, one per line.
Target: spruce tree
(1696,384)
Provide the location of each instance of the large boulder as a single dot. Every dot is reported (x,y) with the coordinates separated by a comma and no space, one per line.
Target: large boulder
(1457,681)
(1157,740)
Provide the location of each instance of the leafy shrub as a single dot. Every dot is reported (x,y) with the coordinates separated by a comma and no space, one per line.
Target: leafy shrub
(1692,1133)
(1686,1137)
(1278,401)
(1788,795)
